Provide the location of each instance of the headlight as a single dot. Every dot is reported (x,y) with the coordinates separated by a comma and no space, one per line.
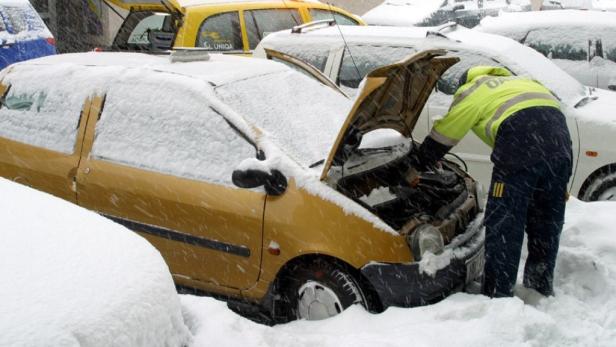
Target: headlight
(425,238)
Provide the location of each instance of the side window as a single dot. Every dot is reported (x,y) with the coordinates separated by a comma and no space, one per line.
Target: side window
(341,19)
(221,32)
(448,83)
(154,22)
(170,130)
(41,117)
(362,59)
(259,23)
(558,43)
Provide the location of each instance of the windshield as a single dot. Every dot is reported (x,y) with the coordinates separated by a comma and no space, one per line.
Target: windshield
(300,115)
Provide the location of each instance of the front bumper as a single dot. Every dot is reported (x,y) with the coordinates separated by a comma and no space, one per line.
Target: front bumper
(420,283)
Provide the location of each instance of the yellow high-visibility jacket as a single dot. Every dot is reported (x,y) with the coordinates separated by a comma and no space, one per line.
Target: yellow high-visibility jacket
(489,96)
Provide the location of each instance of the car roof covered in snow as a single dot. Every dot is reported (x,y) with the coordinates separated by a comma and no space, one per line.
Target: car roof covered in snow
(519,58)
(525,21)
(218,69)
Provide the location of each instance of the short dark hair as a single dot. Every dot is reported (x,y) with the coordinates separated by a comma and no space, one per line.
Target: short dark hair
(462,81)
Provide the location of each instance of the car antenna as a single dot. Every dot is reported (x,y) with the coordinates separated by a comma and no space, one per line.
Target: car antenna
(346,45)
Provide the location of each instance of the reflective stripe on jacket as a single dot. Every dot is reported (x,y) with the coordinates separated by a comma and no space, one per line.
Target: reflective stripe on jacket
(489,96)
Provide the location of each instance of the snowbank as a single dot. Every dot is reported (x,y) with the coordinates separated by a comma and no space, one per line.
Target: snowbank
(73,278)
(581,313)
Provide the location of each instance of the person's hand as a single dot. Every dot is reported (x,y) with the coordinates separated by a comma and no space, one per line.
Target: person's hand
(412,177)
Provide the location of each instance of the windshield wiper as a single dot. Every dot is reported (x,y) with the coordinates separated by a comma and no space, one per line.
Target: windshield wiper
(316,163)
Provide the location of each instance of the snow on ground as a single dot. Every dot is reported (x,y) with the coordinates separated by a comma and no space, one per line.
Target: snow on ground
(583,312)
(73,278)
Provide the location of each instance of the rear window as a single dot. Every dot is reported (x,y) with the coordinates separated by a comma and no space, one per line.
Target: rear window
(155,22)
(41,116)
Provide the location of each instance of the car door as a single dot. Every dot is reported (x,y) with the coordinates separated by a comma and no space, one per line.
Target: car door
(41,131)
(159,161)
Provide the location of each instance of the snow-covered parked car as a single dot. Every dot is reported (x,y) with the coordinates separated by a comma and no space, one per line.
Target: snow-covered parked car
(23,34)
(73,278)
(583,43)
(254,181)
(436,12)
(591,114)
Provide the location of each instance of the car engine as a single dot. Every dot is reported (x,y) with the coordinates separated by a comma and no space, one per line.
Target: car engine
(444,196)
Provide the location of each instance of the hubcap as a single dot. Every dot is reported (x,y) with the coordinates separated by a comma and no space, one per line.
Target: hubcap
(317,301)
(608,195)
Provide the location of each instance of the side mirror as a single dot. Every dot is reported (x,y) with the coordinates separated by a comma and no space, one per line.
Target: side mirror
(252,176)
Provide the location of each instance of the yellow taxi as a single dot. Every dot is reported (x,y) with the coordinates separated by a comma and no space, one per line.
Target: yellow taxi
(232,25)
(254,181)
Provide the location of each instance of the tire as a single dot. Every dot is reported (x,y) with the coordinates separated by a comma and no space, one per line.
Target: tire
(318,289)
(604,191)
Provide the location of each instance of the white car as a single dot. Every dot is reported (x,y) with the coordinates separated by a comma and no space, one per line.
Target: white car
(435,12)
(590,113)
(583,43)
(71,277)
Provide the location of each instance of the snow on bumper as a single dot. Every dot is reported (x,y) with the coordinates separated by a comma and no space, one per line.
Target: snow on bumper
(433,278)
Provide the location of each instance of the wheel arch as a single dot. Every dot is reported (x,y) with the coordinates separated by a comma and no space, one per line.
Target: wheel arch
(374,301)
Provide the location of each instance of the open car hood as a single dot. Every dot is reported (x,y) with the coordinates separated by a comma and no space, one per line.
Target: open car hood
(392,96)
(147,5)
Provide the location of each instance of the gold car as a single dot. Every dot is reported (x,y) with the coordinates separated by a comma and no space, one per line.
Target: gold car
(254,181)
(233,26)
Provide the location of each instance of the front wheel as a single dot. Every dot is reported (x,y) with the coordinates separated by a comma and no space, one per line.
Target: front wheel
(603,188)
(319,289)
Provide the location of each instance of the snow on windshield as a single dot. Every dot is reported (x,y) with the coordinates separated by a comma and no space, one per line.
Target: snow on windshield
(74,278)
(300,115)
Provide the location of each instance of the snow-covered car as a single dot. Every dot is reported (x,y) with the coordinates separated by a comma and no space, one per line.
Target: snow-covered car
(437,12)
(23,34)
(73,278)
(248,187)
(583,43)
(591,114)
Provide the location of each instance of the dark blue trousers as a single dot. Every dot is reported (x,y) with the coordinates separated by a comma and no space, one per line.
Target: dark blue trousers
(532,200)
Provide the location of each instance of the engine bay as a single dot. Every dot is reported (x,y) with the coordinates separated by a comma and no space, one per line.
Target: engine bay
(376,178)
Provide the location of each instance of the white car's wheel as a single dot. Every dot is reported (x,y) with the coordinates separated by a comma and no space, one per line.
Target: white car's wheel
(602,189)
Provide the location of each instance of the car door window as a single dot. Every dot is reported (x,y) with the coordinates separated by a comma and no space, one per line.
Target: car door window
(46,117)
(171,130)
(221,32)
(259,23)
(560,43)
(359,60)
(449,81)
(341,19)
